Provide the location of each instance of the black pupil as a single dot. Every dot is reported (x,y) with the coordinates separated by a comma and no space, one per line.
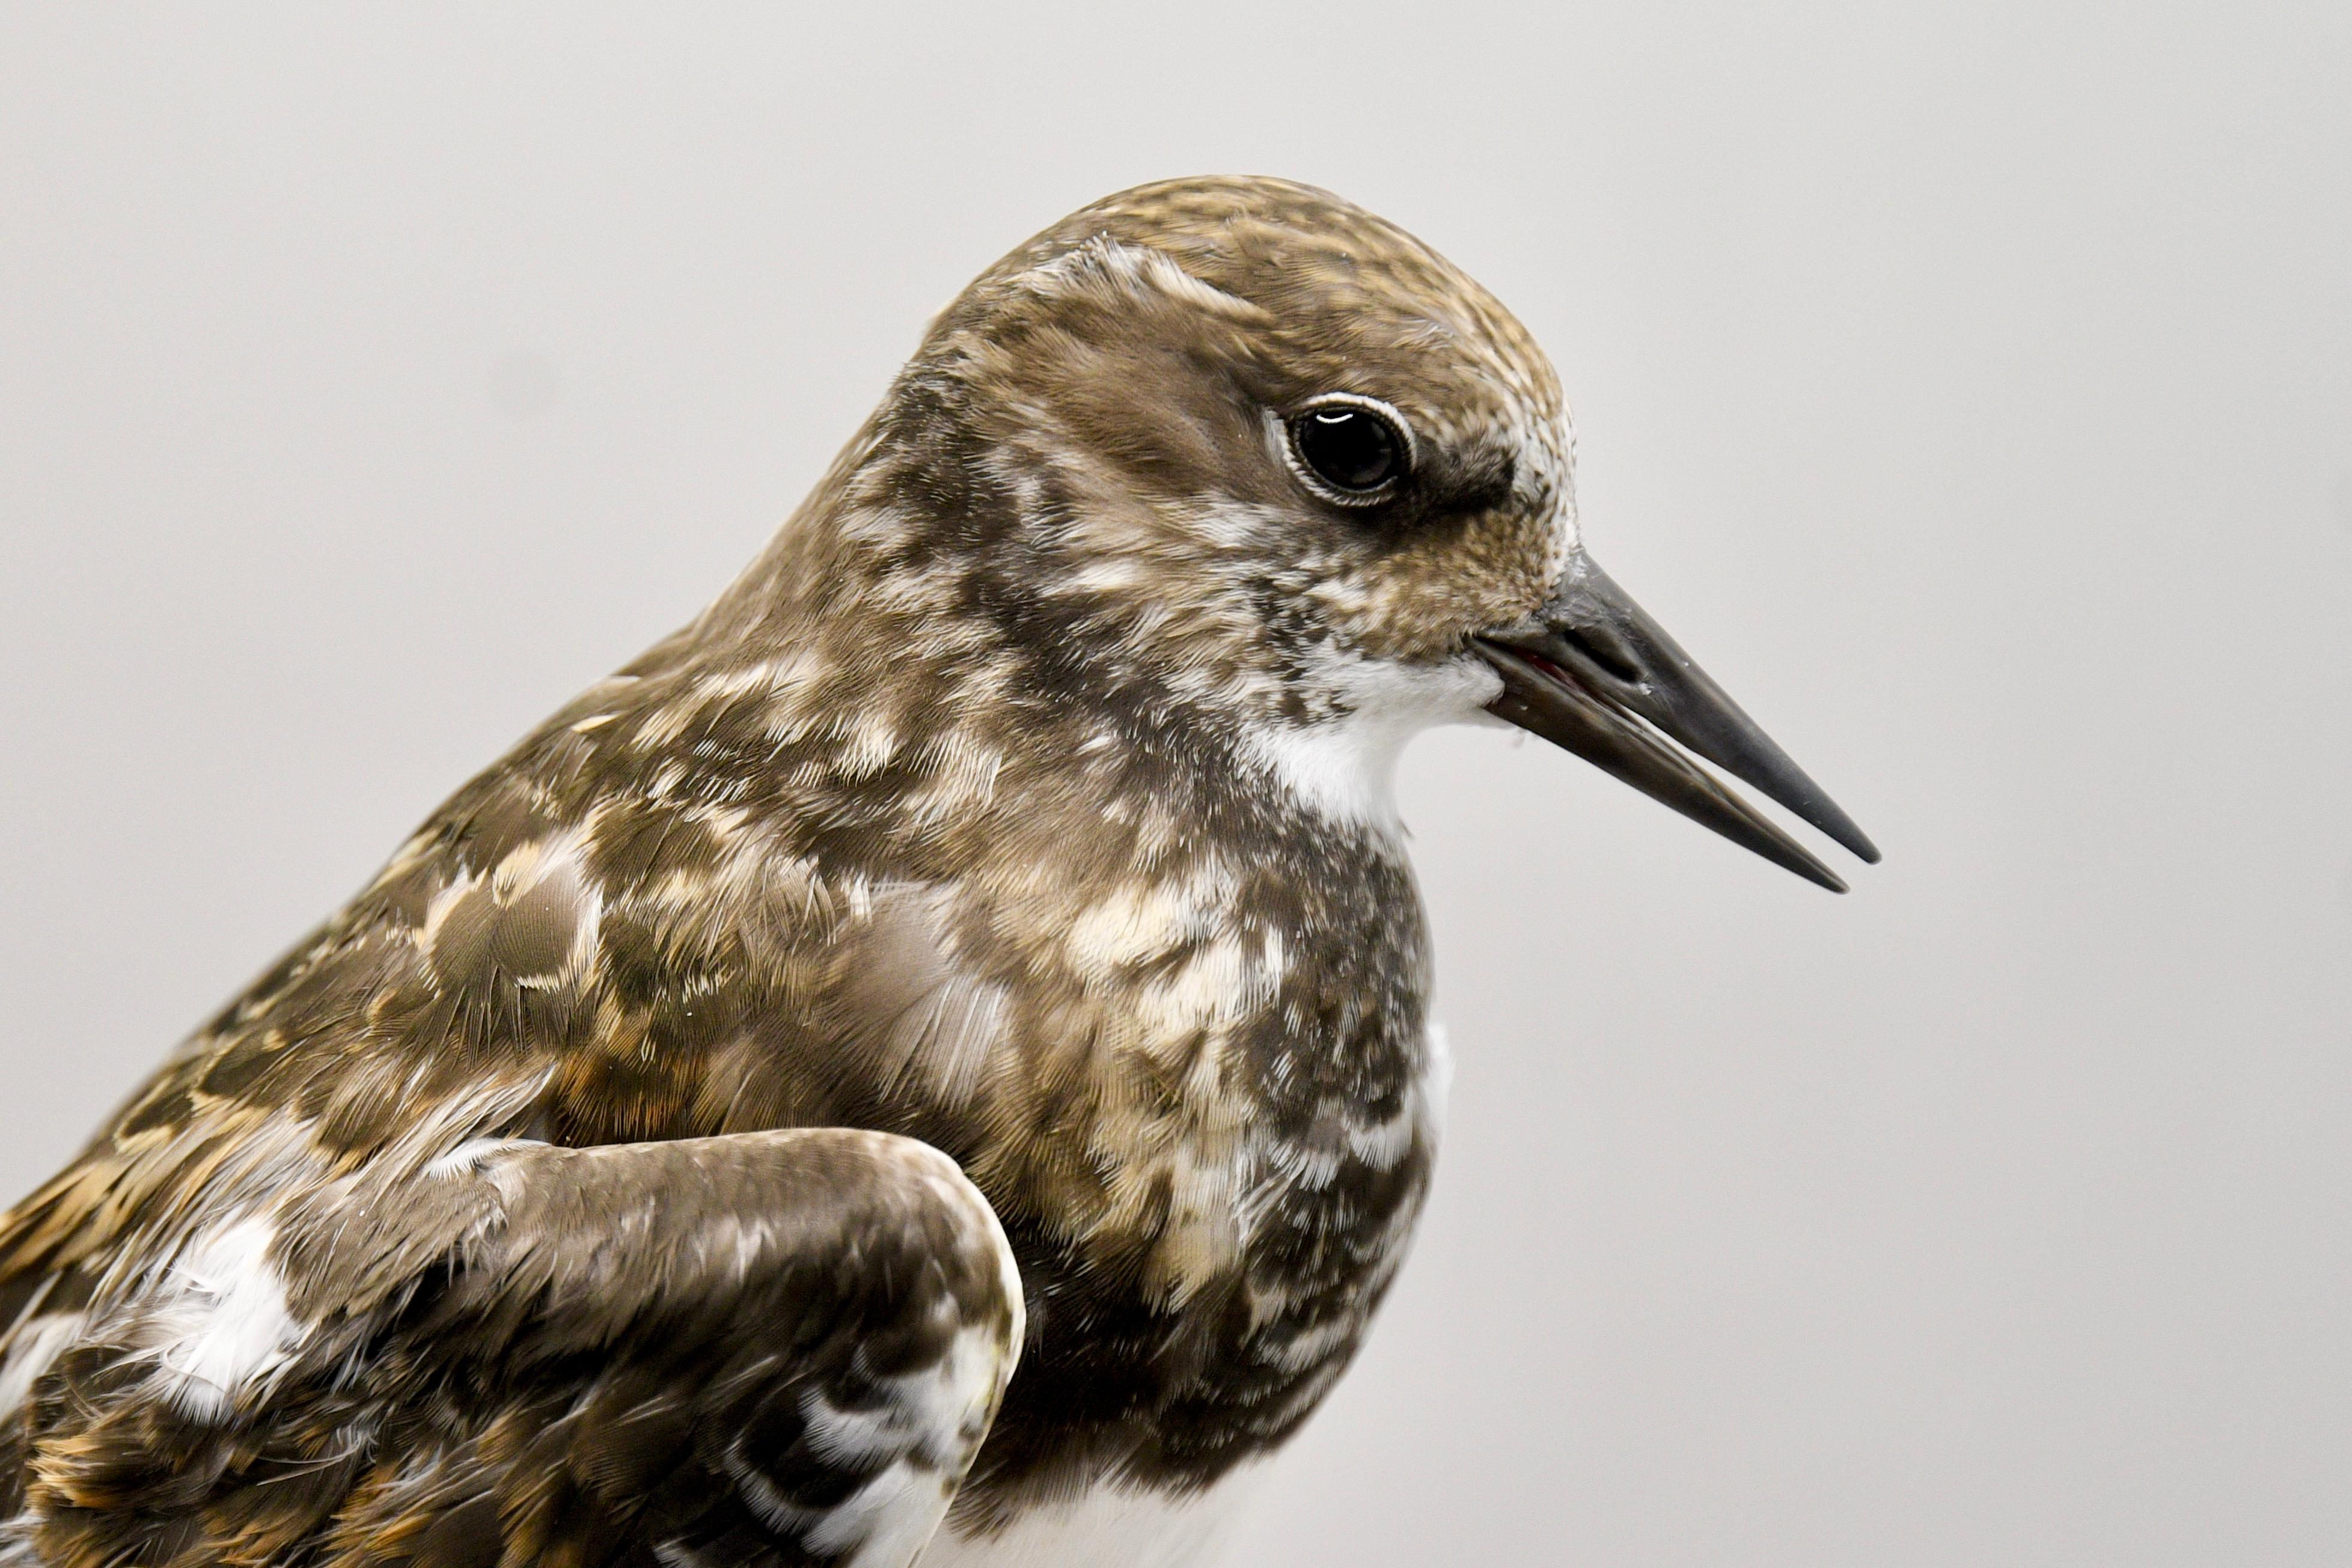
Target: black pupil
(1347,448)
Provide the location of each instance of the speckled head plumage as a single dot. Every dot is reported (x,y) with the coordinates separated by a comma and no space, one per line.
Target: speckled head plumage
(1123,382)
(1024,799)
(1168,332)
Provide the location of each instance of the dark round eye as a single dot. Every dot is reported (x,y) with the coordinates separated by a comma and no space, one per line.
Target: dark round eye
(1355,450)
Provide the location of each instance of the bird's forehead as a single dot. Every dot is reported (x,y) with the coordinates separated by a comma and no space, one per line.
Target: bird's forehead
(1349,301)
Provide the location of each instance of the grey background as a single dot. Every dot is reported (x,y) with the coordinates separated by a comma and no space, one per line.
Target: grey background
(1971,387)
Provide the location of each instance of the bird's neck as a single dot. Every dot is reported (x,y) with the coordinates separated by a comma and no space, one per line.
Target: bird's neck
(946,551)
(924,602)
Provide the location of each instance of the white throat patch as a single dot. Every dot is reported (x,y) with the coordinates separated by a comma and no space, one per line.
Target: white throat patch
(1343,769)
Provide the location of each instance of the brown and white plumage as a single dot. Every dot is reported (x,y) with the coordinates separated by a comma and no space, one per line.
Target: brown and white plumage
(758,1349)
(1026,799)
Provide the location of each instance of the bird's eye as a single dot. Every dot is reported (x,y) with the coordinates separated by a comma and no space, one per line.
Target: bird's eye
(1353,446)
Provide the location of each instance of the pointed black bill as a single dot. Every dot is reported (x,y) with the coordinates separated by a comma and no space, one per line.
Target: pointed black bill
(1596,675)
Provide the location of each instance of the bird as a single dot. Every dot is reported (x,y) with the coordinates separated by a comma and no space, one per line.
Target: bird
(933,1061)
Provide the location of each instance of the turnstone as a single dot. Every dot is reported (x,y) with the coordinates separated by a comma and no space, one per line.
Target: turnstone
(984,936)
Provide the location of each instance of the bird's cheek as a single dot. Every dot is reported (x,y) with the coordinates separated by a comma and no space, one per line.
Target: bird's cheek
(1441,580)
(1378,614)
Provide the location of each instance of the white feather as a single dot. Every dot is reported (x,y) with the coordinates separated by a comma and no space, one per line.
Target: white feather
(222,1322)
(35,1345)
(1343,769)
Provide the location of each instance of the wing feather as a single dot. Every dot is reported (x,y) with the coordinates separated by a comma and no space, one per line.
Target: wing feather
(767,1348)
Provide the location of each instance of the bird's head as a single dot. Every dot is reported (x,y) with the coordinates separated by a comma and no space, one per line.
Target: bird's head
(1239,447)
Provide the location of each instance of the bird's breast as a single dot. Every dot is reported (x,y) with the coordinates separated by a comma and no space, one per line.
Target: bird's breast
(1209,1132)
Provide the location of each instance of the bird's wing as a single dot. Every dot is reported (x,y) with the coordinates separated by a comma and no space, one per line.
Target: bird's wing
(765,1348)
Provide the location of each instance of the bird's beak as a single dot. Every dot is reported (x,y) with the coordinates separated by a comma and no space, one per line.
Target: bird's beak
(1594,673)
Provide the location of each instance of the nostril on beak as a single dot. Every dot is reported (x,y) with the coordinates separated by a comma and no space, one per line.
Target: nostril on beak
(1604,651)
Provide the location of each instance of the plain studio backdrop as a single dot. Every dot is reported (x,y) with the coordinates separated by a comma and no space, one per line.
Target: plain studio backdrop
(1969,388)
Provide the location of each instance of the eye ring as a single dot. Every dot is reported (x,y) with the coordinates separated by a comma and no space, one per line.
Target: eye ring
(1352,451)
